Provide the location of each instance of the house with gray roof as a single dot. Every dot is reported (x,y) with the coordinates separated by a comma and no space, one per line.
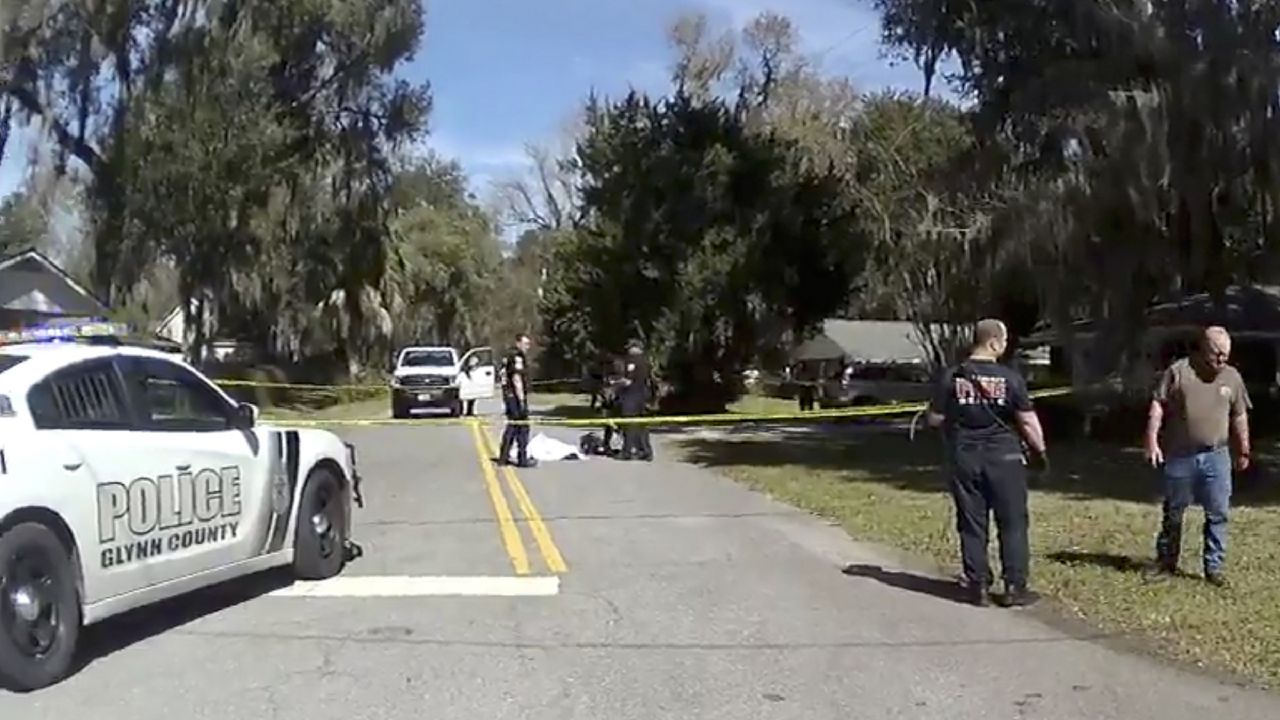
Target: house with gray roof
(868,341)
(35,291)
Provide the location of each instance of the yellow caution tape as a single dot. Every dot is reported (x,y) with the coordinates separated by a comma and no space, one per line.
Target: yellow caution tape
(339,388)
(686,420)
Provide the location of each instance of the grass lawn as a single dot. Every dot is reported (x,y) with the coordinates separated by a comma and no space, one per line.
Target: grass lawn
(1094,519)
(569,405)
(360,409)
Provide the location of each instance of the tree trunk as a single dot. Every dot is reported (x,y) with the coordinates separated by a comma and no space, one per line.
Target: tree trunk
(355,331)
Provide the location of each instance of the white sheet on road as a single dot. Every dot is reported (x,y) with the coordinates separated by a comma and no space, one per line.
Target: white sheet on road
(546,449)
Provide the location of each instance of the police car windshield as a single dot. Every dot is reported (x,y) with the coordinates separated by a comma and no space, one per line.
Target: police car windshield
(7,361)
(427,358)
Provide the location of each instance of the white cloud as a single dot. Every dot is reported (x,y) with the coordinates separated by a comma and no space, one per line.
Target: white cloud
(844,34)
(478,155)
(485,164)
(822,23)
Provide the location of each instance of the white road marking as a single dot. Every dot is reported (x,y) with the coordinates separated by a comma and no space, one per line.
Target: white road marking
(421,586)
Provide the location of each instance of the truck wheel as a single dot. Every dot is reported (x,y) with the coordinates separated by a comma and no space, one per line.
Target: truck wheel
(398,410)
(39,608)
(319,544)
(455,409)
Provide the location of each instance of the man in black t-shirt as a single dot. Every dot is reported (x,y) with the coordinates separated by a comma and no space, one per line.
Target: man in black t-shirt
(978,404)
(515,398)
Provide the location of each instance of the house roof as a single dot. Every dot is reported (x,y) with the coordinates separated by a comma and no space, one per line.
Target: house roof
(865,340)
(33,262)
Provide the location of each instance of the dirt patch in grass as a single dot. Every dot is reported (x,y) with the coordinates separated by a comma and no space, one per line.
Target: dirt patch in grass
(363,409)
(1094,520)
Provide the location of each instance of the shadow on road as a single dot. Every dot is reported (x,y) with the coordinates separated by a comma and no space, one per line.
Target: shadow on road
(118,633)
(936,587)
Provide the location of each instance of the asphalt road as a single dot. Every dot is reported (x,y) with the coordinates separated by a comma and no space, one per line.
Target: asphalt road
(681,596)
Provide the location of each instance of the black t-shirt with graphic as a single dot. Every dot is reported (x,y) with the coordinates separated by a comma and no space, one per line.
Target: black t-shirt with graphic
(979,399)
(513,365)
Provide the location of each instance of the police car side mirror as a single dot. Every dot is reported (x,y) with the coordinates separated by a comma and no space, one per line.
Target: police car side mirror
(246,416)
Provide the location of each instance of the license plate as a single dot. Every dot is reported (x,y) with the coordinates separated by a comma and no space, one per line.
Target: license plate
(426,396)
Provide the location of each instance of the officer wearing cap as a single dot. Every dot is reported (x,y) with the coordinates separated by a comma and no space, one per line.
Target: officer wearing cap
(515,398)
(978,403)
(633,396)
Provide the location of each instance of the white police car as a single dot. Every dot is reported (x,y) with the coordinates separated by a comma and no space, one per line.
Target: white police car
(127,477)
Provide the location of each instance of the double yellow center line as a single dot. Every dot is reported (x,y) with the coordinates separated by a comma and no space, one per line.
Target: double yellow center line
(506,522)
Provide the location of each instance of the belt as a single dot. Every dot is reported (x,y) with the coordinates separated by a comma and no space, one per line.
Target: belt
(1200,450)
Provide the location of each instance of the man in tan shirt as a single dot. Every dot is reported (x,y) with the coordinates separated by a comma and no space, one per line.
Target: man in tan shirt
(1202,403)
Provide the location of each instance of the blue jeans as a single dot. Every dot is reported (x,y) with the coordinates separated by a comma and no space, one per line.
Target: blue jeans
(1206,478)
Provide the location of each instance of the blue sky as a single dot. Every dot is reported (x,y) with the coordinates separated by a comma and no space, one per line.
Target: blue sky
(507,72)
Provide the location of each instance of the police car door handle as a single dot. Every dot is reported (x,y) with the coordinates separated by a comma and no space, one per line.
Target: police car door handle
(73,466)
(184,466)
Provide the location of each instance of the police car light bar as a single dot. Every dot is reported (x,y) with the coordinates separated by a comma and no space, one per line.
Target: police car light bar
(64,333)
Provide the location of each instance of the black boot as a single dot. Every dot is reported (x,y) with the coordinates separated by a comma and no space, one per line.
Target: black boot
(977,595)
(1018,596)
(974,592)
(1161,569)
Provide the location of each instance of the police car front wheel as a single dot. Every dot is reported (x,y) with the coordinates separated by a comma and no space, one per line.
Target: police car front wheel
(39,608)
(320,547)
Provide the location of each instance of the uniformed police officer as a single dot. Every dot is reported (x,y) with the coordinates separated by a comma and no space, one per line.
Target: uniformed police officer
(633,396)
(515,398)
(610,405)
(978,403)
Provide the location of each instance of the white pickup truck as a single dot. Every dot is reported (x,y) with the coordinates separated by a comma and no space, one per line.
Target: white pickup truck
(436,377)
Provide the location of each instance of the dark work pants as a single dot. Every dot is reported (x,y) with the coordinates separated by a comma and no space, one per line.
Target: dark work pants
(610,429)
(635,436)
(515,433)
(806,398)
(986,480)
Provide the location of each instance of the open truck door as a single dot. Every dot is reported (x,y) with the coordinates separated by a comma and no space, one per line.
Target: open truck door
(477,378)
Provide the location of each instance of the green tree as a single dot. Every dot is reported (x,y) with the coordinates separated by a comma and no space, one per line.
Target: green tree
(697,231)
(22,224)
(447,258)
(935,260)
(218,132)
(1129,142)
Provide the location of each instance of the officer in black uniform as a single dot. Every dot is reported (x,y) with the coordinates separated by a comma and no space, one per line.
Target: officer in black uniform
(978,403)
(610,405)
(515,398)
(633,396)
